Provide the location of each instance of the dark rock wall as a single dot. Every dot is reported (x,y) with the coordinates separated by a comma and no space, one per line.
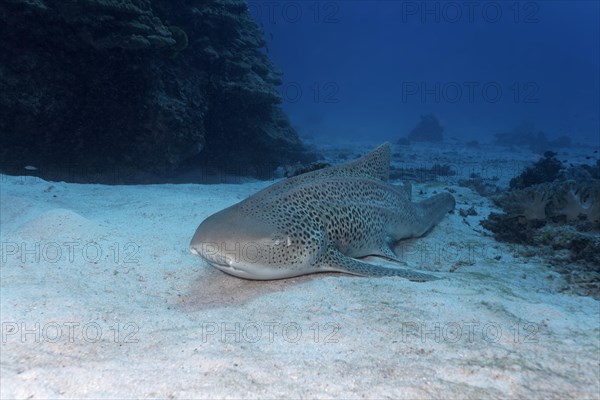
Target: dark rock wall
(142,85)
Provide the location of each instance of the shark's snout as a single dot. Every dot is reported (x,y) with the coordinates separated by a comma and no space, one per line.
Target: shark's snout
(236,243)
(210,235)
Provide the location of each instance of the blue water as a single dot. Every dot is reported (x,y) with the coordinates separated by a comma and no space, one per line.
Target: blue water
(356,69)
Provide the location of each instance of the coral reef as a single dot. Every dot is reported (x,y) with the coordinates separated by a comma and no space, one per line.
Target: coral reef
(577,201)
(546,169)
(144,86)
(561,217)
(530,203)
(512,228)
(560,202)
(546,190)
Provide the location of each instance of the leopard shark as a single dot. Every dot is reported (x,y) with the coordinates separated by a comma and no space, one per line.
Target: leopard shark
(321,221)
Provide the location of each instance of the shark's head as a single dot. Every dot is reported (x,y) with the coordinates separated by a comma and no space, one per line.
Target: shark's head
(246,246)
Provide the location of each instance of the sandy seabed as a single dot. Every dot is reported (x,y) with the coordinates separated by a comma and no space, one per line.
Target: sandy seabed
(100,298)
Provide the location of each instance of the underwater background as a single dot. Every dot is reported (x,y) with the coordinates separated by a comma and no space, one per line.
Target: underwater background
(359,68)
(124,124)
(148,87)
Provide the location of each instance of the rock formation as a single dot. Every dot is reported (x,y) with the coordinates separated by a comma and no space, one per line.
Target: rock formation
(427,130)
(146,87)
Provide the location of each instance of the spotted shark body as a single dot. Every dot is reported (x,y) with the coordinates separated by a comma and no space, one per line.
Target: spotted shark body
(321,221)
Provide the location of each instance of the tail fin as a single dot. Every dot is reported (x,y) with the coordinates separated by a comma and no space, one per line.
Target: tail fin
(433,209)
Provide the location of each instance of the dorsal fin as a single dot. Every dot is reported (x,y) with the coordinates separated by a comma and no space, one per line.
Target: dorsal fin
(374,165)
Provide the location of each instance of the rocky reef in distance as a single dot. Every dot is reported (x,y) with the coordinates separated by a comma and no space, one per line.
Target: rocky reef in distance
(143,87)
(555,210)
(428,129)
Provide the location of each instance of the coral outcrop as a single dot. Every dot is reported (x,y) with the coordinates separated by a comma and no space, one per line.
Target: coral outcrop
(428,129)
(577,202)
(546,169)
(561,217)
(139,85)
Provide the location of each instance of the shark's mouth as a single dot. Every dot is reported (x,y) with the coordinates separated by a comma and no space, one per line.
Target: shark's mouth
(214,259)
(219,265)
(228,268)
(225,264)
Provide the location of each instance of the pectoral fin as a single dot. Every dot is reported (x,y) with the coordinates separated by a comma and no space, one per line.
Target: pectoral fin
(387,254)
(336,261)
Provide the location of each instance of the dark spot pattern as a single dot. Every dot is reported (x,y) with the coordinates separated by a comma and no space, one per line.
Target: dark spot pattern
(324,219)
(349,207)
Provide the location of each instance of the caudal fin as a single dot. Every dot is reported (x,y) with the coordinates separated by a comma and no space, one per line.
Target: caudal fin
(432,210)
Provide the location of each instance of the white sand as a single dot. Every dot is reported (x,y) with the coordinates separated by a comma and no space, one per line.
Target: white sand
(100,298)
